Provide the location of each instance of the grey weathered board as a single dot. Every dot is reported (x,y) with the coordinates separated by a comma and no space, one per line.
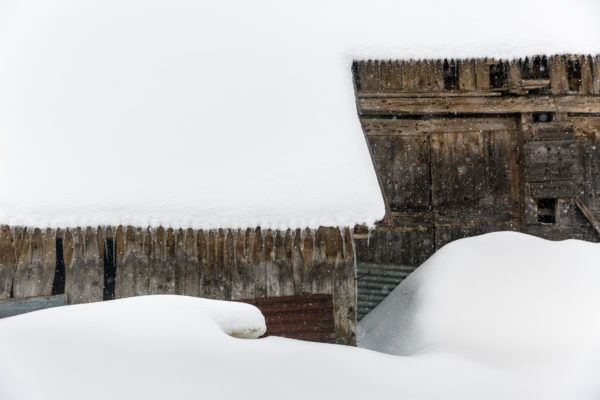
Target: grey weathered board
(12,307)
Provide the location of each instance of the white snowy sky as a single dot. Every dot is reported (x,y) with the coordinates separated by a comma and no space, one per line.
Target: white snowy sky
(222,114)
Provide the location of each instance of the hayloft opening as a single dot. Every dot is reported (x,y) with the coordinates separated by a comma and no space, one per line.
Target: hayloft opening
(450,75)
(58,285)
(497,75)
(110,269)
(542,117)
(574,75)
(546,211)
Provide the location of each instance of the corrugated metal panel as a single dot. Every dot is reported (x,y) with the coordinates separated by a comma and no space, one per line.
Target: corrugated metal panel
(375,281)
(306,317)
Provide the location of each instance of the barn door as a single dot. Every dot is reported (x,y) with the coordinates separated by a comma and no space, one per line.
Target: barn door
(474,178)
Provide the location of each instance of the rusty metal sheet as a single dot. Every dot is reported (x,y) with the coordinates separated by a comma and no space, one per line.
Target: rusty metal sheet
(305,317)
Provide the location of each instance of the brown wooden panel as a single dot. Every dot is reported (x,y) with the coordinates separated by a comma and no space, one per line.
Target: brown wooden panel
(558,75)
(447,234)
(549,160)
(551,189)
(474,170)
(403,245)
(479,105)
(596,75)
(369,75)
(8,261)
(409,78)
(587,84)
(162,280)
(420,127)
(555,130)
(84,270)
(191,285)
(514,77)
(391,75)
(588,150)
(482,74)
(36,265)
(466,75)
(402,163)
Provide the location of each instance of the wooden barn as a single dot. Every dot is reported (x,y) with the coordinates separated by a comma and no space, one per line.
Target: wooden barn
(460,148)
(465,147)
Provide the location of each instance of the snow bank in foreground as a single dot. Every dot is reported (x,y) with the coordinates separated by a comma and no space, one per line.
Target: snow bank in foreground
(212,114)
(502,297)
(170,347)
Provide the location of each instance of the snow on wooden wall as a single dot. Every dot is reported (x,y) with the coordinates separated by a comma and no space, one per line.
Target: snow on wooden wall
(218,264)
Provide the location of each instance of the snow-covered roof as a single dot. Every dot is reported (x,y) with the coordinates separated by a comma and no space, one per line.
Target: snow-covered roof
(227,113)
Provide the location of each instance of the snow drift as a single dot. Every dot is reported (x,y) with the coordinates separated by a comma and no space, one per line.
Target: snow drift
(222,114)
(500,298)
(159,347)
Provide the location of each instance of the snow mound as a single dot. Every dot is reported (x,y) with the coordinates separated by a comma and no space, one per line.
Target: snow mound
(223,114)
(160,347)
(502,297)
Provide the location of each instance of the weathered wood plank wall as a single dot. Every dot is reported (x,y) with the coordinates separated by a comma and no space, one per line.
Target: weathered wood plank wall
(498,145)
(221,264)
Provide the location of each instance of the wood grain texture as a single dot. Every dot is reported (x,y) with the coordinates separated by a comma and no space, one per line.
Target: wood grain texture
(558,75)
(466,75)
(477,105)
(596,75)
(8,261)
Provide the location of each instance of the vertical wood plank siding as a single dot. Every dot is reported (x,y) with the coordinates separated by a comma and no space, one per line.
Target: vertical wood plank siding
(221,264)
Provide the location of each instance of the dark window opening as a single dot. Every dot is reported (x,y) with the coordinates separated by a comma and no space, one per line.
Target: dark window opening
(546,211)
(110,269)
(574,75)
(535,68)
(58,285)
(497,75)
(450,75)
(542,117)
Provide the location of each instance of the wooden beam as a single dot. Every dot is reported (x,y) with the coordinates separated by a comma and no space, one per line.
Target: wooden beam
(478,105)
(587,213)
(431,93)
